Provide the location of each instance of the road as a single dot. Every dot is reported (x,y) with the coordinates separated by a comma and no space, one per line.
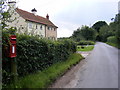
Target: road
(98,70)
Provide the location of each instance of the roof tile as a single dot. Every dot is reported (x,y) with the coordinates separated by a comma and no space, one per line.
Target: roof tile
(34,18)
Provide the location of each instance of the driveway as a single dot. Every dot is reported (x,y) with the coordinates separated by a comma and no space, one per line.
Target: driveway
(98,70)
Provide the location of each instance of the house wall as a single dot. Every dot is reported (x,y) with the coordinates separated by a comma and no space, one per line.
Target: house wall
(36,29)
(18,22)
(23,26)
(51,32)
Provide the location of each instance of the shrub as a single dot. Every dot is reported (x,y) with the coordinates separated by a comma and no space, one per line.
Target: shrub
(112,39)
(86,43)
(35,54)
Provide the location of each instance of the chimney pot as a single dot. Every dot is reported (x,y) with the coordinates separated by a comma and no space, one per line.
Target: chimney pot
(47,16)
(34,11)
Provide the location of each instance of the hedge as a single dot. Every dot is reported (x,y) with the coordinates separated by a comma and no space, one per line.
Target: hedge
(35,54)
(112,39)
(85,43)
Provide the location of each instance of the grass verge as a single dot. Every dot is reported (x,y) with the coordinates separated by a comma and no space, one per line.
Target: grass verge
(46,77)
(85,48)
(114,45)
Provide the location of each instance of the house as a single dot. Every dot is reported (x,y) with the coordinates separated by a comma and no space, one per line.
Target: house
(31,23)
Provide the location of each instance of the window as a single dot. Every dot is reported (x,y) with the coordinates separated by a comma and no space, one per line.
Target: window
(36,26)
(21,27)
(48,28)
(51,28)
(30,25)
(54,29)
(41,27)
(48,38)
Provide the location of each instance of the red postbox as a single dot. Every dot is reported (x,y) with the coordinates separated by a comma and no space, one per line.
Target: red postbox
(12,49)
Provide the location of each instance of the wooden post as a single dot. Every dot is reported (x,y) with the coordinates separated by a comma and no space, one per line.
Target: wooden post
(14,70)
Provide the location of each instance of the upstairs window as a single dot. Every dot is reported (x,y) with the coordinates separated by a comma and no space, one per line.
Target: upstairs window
(48,28)
(30,25)
(54,29)
(51,28)
(36,26)
(41,27)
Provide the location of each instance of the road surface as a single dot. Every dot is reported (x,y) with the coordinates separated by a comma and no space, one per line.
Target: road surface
(98,70)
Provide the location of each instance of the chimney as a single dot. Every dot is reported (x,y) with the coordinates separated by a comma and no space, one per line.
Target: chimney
(12,4)
(34,11)
(47,16)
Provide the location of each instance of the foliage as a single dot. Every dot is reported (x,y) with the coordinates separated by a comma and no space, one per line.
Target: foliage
(35,54)
(98,25)
(111,32)
(44,78)
(105,32)
(84,33)
(63,38)
(86,43)
(113,41)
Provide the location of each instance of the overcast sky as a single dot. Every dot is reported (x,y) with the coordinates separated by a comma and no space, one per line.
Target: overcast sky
(68,15)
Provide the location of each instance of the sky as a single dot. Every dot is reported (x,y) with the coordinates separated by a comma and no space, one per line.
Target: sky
(69,15)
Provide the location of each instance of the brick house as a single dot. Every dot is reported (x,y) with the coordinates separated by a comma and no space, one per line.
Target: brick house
(30,23)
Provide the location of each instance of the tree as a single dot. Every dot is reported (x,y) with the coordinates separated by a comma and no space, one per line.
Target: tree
(84,33)
(5,17)
(88,33)
(105,32)
(98,25)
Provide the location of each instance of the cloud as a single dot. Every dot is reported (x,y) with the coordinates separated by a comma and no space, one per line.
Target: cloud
(64,32)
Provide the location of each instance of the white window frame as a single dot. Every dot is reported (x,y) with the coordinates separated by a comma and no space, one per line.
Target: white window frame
(30,25)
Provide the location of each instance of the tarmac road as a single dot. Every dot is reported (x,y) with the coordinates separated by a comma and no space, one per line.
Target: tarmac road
(100,70)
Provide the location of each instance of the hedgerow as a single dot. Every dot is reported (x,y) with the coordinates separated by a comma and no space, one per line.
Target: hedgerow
(34,54)
(86,42)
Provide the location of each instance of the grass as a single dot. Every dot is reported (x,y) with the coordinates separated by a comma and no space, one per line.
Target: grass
(46,77)
(114,45)
(86,48)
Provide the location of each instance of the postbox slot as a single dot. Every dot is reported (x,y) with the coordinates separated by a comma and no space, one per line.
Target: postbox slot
(13,39)
(13,49)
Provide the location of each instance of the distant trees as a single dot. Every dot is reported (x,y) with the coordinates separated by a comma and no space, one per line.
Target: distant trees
(84,33)
(100,31)
(105,32)
(98,25)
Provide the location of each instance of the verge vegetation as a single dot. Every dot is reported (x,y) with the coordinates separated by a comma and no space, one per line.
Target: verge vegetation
(43,79)
(34,54)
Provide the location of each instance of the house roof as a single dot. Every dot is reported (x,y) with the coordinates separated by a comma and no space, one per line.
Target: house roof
(34,18)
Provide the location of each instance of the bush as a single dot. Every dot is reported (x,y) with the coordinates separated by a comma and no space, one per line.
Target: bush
(86,43)
(35,54)
(112,39)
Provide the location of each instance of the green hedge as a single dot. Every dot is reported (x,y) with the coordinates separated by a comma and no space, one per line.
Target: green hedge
(85,43)
(112,39)
(35,54)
